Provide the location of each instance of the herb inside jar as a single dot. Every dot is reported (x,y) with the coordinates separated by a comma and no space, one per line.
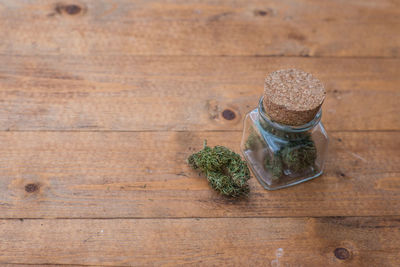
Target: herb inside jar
(294,157)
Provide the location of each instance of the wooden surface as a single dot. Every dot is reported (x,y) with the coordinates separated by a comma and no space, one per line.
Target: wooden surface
(102,101)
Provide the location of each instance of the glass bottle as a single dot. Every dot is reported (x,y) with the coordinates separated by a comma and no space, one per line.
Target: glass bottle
(280,155)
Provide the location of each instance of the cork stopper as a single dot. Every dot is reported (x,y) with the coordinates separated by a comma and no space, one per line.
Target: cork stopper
(292,97)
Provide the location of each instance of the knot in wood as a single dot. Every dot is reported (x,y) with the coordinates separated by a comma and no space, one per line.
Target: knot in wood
(342,253)
(228,114)
(30,188)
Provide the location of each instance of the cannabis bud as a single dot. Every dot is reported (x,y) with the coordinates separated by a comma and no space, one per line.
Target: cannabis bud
(299,154)
(225,170)
(254,142)
(275,165)
(296,156)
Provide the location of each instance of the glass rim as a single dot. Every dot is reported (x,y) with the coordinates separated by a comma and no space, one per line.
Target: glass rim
(288,128)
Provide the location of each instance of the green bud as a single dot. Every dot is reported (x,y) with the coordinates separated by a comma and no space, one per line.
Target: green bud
(225,170)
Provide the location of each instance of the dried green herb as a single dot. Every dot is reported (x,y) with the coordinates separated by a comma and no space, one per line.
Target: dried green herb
(300,154)
(273,163)
(254,142)
(225,170)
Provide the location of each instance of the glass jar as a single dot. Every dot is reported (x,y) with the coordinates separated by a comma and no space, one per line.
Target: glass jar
(280,155)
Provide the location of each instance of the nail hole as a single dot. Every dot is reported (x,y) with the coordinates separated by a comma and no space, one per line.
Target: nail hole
(73,9)
(342,253)
(68,9)
(339,139)
(341,174)
(228,114)
(260,13)
(264,12)
(30,188)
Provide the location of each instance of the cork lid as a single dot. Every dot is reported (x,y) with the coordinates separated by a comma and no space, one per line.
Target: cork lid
(292,97)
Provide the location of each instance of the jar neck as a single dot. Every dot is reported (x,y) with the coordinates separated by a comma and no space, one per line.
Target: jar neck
(286,131)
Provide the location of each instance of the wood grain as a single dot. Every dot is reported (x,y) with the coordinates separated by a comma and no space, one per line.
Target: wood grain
(284,28)
(102,101)
(206,242)
(123,93)
(142,175)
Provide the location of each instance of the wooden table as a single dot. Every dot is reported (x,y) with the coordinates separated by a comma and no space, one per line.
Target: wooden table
(102,102)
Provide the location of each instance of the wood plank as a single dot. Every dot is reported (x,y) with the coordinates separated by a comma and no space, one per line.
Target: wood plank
(209,242)
(141,175)
(291,28)
(123,93)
